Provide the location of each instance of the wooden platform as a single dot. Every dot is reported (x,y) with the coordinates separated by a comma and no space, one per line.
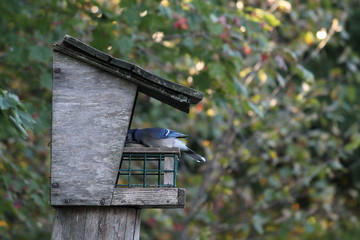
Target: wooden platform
(165,197)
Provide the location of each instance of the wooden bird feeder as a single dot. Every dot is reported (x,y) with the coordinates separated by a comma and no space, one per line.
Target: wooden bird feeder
(98,186)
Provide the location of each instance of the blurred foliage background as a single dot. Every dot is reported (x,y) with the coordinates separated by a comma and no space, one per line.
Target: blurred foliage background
(279,124)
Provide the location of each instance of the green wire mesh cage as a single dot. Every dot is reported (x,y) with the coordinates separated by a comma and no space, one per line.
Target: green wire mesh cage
(147,170)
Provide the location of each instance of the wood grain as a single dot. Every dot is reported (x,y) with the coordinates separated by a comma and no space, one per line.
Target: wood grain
(96,223)
(171,93)
(91,115)
(169,166)
(79,46)
(149,197)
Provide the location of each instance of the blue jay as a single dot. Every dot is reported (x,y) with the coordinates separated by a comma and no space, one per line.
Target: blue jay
(161,137)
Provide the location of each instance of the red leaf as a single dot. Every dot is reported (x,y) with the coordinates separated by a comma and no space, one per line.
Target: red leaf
(225,35)
(152,222)
(247,50)
(17,205)
(264,57)
(181,22)
(237,21)
(178,227)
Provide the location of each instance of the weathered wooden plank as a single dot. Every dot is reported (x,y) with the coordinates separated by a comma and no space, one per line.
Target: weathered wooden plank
(170,97)
(102,222)
(168,92)
(176,101)
(149,197)
(137,224)
(91,113)
(86,48)
(121,63)
(69,223)
(160,150)
(169,166)
(182,196)
(130,223)
(77,44)
(96,223)
(77,223)
(194,95)
(61,225)
(115,227)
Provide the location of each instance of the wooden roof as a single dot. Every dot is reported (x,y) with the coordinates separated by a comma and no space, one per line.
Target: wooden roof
(174,94)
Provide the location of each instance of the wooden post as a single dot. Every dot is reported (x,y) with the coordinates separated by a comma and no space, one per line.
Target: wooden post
(96,223)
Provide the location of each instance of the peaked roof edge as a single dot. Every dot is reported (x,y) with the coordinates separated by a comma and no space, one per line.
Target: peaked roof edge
(174,94)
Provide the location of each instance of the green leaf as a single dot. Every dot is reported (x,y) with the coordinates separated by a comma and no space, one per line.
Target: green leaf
(256,109)
(124,44)
(39,53)
(214,27)
(290,56)
(188,42)
(281,80)
(9,100)
(354,144)
(165,11)
(269,194)
(45,80)
(268,17)
(336,164)
(13,111)
(305,73)
(131,15)
(229,51)
(285,172)
(127,3)
(241,88)
(351,93)
(4,102)
(258,222)
(216,69)
(18,124)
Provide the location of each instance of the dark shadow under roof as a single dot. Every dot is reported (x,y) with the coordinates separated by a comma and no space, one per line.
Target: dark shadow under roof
(174,94)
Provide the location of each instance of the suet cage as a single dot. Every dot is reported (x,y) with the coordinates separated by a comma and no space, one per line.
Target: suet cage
(147,170)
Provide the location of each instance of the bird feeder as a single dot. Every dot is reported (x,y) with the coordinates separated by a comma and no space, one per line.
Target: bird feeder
(92,174)
(144,167)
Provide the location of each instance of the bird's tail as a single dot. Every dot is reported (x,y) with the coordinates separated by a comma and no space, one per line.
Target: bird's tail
(194,155)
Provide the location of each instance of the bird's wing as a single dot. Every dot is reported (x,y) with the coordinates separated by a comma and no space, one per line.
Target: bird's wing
(161,133)
(174,134)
